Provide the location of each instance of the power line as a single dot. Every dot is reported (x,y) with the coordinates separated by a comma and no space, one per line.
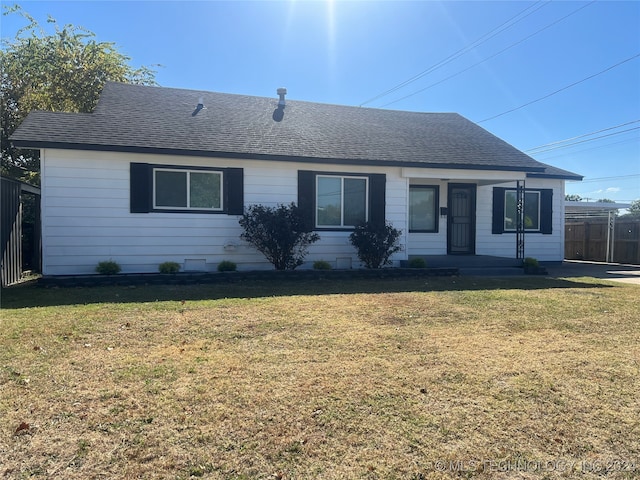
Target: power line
(462,51)
(489,57)
(587,140)
(618,177)
(580,136)
(561,89)
(599,147)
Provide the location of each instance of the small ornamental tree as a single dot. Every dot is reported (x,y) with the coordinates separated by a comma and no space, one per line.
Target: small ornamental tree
(279,233)
(375,244)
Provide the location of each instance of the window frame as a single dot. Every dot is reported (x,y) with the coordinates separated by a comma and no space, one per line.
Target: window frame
(527,191)
(436,208)
(342,178)
(188,171)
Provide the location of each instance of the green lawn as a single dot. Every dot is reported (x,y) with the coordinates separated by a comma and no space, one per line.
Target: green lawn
(372,379)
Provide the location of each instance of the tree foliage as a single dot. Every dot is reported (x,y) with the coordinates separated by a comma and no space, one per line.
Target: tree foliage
(280,233)
(573,198)
(375,244)
(62,71)
(633,210)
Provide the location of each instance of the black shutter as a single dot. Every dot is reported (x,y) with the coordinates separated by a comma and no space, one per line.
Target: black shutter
(497,221)
(141,187)
(306,197)
(377,199)
(234,191)
(546,211)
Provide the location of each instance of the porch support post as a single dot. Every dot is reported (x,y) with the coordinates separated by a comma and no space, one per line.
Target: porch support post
(520,186)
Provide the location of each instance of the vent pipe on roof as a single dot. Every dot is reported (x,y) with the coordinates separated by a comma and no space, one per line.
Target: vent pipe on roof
(281,93)
(199,107)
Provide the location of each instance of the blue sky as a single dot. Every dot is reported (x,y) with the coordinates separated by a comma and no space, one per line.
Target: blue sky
(566,69)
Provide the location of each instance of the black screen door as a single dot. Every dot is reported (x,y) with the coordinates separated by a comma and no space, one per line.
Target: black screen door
(461,231)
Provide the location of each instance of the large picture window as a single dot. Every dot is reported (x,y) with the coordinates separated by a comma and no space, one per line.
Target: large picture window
(423,208)
(531,210)
(187,189)
(341,201)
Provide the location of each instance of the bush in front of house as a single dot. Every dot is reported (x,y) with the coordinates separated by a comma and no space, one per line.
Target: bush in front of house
(417,263)
(321,265)
(375,243)
(169,267)
(227,266)
(530,262)
(280,233)
(108,267)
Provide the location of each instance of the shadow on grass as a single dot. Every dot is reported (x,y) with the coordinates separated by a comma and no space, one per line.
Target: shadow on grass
(32,295)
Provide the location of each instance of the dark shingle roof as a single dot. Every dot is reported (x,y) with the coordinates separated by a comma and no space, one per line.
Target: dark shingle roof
(163,120)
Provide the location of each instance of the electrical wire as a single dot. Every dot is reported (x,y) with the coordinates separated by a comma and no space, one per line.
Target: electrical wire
(576,152)
(580,136)
(561,89)
(489,57)
(618,177)
(587,140)
(486,37)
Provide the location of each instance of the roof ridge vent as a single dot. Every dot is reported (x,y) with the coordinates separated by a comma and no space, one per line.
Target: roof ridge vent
(281,93)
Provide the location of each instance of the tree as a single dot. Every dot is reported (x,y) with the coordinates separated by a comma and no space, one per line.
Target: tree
(375,244)
(281,234)
(573,198)
(633,210)
(63,71)
(605,200)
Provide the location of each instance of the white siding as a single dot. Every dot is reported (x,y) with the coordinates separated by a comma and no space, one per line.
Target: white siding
(86,216)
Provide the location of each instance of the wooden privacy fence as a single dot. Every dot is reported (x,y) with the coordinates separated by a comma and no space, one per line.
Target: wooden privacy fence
(19,229)
(599,241)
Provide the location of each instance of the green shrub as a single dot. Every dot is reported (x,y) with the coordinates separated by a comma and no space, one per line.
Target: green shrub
(530,262)
(227,266)
(108,267)
(169,267)
(417,263)
(280,233)
(321,265)
(375,243)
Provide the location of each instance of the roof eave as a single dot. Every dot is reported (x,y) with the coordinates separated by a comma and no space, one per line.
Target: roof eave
(268,157)
(574,176)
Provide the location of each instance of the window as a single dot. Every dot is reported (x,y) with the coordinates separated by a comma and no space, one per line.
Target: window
(341,201)
(538,210)
(423,208)
(187,189)
(531,210)
(176,189)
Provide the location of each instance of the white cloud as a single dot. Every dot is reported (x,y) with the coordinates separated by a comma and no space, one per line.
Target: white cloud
(613,190)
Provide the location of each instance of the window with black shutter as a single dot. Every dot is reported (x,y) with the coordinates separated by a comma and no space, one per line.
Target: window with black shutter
(177,189)
(341,201)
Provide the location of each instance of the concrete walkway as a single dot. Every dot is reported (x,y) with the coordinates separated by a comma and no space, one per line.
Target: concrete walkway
(607,271)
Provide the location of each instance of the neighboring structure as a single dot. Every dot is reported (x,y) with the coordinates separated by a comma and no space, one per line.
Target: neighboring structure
(159,174)
(19,229)
(594,232)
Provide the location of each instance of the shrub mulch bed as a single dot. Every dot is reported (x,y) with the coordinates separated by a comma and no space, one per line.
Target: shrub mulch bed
(194,278)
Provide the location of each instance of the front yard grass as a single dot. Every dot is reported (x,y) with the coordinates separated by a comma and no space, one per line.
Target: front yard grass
(367,379)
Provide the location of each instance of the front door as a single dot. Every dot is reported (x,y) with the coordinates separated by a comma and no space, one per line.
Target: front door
(461,230)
